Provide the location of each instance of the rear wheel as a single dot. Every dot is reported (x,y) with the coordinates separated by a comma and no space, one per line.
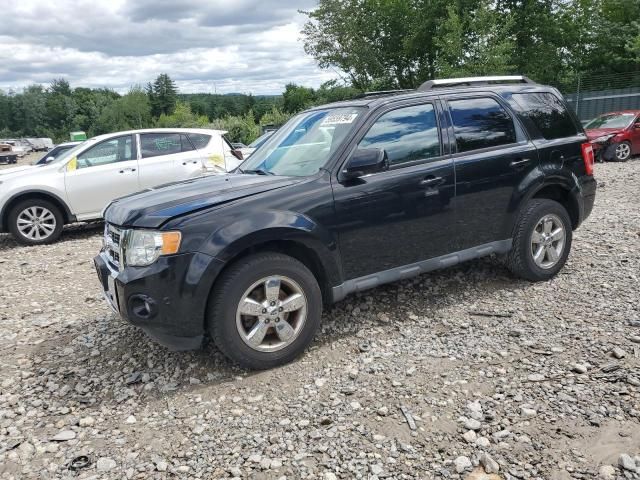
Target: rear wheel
(35,222)
(265,310)
(623,152)
(541,241)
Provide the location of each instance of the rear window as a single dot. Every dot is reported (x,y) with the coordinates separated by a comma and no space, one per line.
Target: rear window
(158,144)
(199,140)
(547,113)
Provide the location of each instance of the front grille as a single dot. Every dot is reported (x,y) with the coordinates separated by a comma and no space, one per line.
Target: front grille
(112,245)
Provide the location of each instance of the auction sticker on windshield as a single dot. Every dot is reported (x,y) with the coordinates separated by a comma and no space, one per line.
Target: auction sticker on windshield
(339,118)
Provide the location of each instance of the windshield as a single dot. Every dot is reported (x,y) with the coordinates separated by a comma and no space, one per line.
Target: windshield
(304,144)
(615,120)
(68,154)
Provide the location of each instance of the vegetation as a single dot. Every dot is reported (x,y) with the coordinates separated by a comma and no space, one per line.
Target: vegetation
(401,43)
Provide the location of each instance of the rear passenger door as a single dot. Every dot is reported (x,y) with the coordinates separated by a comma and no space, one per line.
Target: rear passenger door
(167,157)
(492,158)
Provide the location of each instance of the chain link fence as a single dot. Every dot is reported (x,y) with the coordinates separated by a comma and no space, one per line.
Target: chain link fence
(599,94)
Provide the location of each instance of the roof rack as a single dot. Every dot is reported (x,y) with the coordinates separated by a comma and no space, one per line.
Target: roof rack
(470,81)
(384,92)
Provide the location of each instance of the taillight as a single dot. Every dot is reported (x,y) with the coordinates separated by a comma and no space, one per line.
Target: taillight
(589,157)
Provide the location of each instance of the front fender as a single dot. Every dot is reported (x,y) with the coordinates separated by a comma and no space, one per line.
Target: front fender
(267,226)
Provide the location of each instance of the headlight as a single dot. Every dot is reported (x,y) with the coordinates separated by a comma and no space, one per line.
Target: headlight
(143,247)
(604,138)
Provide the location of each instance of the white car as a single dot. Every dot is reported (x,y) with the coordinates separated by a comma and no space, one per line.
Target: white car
(35,202)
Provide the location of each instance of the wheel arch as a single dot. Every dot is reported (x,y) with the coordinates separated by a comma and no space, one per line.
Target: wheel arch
(562,194)
(308,250)
(34,194)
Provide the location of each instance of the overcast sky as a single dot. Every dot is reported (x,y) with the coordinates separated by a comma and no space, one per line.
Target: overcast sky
(205,45)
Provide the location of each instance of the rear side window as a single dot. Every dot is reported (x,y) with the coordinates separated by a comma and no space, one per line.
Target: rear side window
(406,134)
(547,114)
(199,140)
(480,123)
(157,144)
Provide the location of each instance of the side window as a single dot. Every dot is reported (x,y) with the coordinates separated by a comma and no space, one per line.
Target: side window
(199,140)
(157,144)
(406,134)
(547,113)
(480,123)
(118,149)
(186,144)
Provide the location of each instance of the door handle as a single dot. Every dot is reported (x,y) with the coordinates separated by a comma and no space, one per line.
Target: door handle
(194,162)
(126,170)
(519,163)
(431,181)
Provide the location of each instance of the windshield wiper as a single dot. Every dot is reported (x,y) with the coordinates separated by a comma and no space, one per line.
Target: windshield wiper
(258,171)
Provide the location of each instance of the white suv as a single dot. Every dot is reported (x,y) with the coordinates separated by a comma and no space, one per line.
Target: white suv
(35,202)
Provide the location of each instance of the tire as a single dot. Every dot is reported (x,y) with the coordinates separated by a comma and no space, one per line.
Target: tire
(520,260)
(622,152)
(50,228)
(246,279)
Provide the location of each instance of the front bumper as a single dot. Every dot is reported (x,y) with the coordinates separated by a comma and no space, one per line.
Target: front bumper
(167,299)
(604,150)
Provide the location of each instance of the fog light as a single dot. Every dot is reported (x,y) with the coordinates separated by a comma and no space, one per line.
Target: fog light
(143,307)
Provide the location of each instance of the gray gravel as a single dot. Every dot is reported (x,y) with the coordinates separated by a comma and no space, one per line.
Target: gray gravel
(447,375)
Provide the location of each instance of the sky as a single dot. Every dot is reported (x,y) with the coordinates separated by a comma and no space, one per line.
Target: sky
(223,46)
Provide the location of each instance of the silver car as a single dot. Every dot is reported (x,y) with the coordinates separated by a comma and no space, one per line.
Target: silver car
(36,201)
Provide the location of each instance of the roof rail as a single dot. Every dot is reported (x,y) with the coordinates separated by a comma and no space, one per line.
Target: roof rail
(469,81)
(384,92)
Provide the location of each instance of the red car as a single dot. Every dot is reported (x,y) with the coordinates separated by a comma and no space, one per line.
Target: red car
(615,135)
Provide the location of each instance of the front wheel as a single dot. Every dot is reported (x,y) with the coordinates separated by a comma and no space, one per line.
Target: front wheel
(623,152)
(541,241)
(35,222)
(265,310)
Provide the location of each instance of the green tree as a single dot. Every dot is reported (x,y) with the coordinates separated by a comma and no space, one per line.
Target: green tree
(297,98)
(182,117)
(239,128)
(132,111)
(162,95)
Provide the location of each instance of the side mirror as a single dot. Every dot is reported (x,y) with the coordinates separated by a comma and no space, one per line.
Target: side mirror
(365,161)
(636,126)
(237,153)
(49,159)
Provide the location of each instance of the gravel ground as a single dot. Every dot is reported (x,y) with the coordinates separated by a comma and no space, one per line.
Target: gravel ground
(447,375)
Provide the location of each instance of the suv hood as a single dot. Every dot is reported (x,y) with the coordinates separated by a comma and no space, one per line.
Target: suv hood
(153,207)
(594,133)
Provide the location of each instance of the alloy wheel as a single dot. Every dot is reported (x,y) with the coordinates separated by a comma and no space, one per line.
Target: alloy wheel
(548,241)
(36,223)
(623,151)
(271,313)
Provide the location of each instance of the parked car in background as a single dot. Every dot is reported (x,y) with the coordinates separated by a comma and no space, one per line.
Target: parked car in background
(19,147)
(7,155)
(247,151)
(345,197)
(39,144)
(36,201)
(615,135)
(55,152)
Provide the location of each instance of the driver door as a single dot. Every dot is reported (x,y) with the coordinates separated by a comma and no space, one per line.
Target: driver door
(100,174)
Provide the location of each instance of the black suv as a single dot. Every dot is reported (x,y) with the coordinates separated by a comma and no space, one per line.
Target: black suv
(343,198)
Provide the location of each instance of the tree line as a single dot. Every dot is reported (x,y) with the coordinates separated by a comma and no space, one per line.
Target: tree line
(401,43)
(378,45)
